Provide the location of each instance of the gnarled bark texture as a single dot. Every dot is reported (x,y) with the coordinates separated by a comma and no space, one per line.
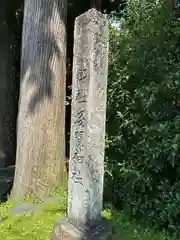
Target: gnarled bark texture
(8,100)
(40,157)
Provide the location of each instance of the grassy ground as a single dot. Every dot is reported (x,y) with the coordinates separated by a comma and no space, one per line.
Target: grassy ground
(39,226)
(30,227)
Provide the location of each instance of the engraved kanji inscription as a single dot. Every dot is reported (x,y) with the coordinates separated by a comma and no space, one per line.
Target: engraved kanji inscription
(81,96)
(89,86)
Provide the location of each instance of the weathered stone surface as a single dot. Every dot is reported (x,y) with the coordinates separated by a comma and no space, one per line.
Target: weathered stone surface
(63,230)
(26,208)
(86,165)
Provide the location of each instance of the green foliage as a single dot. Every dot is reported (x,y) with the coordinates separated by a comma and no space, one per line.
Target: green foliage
(40,225)
(143,117)
(128,229)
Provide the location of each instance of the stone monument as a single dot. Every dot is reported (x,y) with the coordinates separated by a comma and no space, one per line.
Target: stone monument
(86,164)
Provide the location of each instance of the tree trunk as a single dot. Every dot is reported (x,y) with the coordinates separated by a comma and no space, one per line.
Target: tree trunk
(97,4)
(40,157)
(8,99)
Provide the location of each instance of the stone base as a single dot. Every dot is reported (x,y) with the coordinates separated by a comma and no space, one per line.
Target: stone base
(63,230)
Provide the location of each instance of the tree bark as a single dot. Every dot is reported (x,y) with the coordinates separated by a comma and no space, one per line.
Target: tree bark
(8,100)
(97,4)
(40,157)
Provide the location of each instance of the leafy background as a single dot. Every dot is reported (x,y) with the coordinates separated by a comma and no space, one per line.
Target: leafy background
(143,114)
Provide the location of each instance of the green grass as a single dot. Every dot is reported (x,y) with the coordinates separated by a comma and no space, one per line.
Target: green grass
(40,225)
(35,226)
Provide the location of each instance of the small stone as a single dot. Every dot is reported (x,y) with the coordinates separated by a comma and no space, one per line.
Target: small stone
(26,208)
(63,230)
